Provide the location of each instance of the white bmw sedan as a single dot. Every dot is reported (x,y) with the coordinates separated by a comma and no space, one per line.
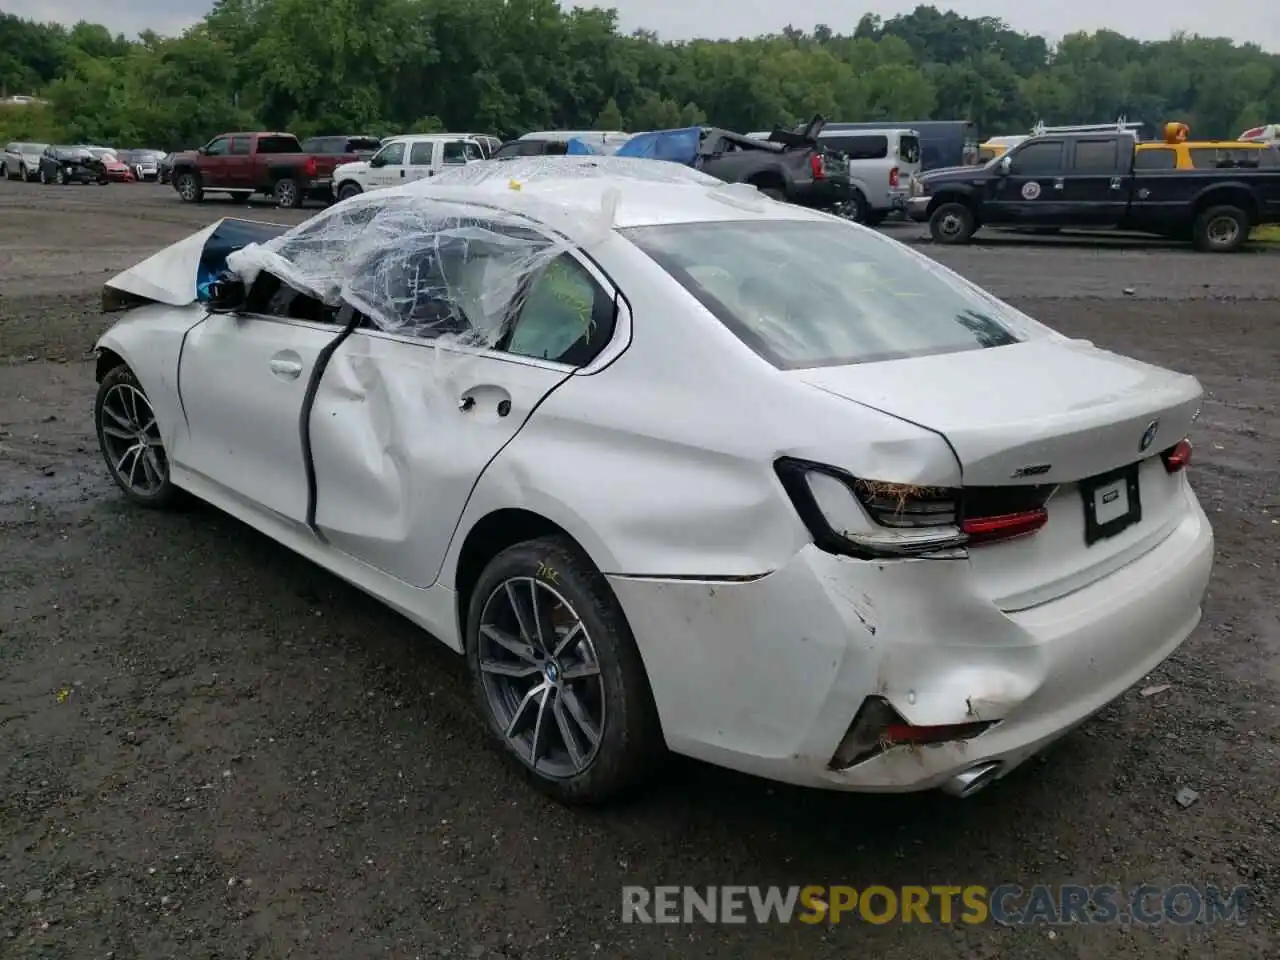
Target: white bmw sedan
(676,467)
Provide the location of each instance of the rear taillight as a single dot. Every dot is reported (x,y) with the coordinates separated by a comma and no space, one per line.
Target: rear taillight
(893,178)
(879,727)
(868,518)
(817,165)
(309,167)
(1177,456)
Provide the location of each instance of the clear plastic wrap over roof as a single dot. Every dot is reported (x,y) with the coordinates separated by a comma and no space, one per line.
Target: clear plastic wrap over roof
(446,257)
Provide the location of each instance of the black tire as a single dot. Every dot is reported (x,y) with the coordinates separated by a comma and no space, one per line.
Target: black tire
(855,208)
(60,178)
(43,177)
(630,743)
(952,223)
(874,218)
(27,175)
(349,190)
(287,194)
(773,193)
(165,495)
(4,171)
(1222,229)
(189,188)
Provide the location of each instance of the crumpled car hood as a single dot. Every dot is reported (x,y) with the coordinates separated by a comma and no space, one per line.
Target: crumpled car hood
(173,275)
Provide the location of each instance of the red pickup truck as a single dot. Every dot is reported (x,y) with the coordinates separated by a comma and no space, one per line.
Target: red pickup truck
(274,164)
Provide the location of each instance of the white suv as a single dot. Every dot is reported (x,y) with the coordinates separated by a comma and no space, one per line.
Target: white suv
(406,158)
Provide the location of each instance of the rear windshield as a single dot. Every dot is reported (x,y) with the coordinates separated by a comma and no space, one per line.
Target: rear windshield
(816,293)
(279,145)
(909,149)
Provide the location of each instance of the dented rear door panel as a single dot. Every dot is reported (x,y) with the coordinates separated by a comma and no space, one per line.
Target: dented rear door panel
(401,430)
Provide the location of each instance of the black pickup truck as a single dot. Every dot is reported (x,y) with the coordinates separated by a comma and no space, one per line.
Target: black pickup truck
(1091,181)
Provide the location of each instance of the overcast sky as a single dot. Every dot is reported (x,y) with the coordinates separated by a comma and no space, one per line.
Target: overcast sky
(1254,20)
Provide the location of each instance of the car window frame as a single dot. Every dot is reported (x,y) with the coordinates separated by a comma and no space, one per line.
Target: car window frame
(208,148)
(386,148)
(1015,155)
(604,300)
(431,154)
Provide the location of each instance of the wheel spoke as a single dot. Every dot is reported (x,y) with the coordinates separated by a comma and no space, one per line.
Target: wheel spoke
(525,633)
(510,644)
(150,468)
(570,738)
(581,671)
(539,724)
(132,448)
(574,707)
(572,636)
(119,417)
(133,467)
(540,618)
(120,433)
(506,669)
(523,707)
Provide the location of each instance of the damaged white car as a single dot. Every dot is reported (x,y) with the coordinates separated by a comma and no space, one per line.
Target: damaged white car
(676,467)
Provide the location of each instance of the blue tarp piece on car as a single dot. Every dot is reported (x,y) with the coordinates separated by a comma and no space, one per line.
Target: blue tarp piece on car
(677,146)
(578,148)
(231,235)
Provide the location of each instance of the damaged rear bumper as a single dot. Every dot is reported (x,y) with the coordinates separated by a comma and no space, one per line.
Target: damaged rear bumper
(767,676)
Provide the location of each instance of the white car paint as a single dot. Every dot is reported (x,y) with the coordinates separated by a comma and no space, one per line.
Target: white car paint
(405,159)
(21,160)
(658,458)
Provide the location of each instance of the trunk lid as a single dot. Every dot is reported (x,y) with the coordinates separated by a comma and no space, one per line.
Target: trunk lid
(1055,413)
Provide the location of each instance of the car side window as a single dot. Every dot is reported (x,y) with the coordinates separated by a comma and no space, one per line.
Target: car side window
(455,152)
(1097,156)
(473,151)
(1036,159)
(1155,158)
(218,148)
(269,296)
(420,153)
(392,154)
(564,315)
(240,146)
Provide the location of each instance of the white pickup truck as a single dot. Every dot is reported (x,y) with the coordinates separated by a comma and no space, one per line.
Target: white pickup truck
(403,159)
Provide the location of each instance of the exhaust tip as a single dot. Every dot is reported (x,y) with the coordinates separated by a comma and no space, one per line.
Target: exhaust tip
(969,782)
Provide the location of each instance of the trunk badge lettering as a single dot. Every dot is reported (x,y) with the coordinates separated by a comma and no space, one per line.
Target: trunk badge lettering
(1148,436)
(1032,471)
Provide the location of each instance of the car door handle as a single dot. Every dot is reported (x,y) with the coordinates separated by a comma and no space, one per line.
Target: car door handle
(1057,184)
(289,369)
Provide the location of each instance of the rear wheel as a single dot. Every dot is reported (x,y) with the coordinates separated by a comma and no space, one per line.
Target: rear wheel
(287,193)
(952,223)
(855,208)
(1221,229)
(60,178)
(129,438)
(557,675)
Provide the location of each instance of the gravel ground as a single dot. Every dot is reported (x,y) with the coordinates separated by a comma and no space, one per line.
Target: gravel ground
(210,748)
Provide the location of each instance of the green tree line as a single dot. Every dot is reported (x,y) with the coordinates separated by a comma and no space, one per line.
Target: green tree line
(508,66)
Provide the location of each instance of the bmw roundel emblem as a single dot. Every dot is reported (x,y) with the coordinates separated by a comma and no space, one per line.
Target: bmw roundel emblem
(1149,435)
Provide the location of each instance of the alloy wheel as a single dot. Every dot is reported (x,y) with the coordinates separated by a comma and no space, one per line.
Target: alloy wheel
(131,440)
(285,194)
(541,677)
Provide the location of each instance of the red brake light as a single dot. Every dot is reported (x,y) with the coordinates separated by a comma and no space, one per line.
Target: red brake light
(1177,456)
(817,165)
(309,168)
(1004,527)
(893,177)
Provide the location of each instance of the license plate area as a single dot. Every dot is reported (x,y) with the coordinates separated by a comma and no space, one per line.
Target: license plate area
(1112,503)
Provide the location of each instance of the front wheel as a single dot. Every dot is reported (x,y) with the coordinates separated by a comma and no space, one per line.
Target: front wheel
(43,177)
(129,438)
(4,171)
(557,675)
(349,190)
(952,223)
(1221,229)
(189,188)
(60,178)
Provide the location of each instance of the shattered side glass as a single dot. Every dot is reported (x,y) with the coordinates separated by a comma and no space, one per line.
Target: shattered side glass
(457,256)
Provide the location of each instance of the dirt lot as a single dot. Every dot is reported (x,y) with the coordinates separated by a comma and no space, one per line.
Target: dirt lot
(209,748)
